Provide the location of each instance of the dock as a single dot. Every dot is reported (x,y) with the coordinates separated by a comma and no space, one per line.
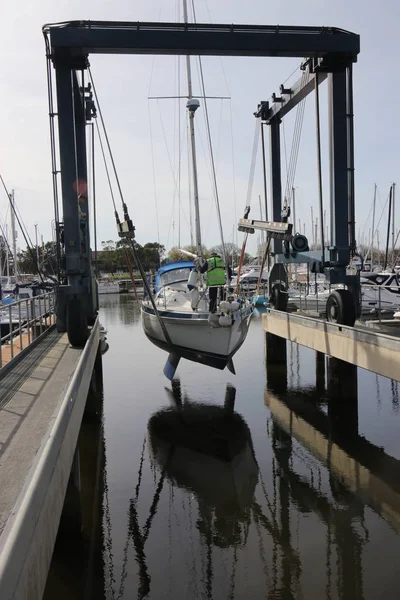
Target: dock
(360,346)
(43,397)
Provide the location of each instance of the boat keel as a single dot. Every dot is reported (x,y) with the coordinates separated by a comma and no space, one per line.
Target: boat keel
(171,365)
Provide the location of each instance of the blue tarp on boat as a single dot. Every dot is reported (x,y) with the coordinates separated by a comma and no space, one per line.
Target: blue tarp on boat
(162,273)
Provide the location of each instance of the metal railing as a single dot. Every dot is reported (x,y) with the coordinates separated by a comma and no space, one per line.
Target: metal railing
(317,301)
(22,322)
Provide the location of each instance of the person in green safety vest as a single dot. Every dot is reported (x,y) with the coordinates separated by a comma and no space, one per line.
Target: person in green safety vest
(216,276)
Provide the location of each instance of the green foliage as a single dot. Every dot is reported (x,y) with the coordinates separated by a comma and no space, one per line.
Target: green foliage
(47,259)
(112,257)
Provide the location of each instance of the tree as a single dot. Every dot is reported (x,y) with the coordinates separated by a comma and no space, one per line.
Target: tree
(232,252)
(26,261)
(175,253)
(48,258)
(108,256)
(153,253)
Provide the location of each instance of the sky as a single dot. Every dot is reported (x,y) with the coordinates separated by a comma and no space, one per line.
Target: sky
(144,134)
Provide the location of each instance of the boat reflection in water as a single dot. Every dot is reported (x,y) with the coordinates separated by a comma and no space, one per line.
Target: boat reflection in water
(207,449)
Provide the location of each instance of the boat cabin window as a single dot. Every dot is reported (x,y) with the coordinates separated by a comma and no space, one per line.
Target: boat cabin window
(23,295)
(394,283)
(174,276)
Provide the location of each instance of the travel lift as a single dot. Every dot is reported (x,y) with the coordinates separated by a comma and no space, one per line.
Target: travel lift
(344,304)
(331,53)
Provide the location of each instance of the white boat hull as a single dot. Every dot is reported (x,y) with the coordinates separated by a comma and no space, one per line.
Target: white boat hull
(194,338)
(108,288)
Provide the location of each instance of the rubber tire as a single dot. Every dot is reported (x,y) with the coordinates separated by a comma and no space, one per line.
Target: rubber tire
(279,298)
(77,327)
(340,308)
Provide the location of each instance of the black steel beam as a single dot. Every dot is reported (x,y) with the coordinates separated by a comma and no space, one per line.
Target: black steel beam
(68,159)
(276,177)
(304,86)
(80,38)
(338,136)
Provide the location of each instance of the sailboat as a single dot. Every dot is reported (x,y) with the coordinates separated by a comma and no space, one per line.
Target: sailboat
(177,318)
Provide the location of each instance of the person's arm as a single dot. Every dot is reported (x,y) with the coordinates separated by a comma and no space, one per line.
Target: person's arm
(204,267)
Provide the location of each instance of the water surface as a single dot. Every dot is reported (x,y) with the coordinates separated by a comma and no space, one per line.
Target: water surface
(246,486)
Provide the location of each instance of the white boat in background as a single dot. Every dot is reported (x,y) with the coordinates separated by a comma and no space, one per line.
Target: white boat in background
(177,319)
(249,279)
(108,287)
(380,292)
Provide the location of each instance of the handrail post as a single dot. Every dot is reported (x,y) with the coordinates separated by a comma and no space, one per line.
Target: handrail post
(20,326)
(28,321)
(10,331)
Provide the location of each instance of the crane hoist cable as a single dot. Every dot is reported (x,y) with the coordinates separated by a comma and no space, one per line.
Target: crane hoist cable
(294,151)
(319,167)
(248,199)
(129,235)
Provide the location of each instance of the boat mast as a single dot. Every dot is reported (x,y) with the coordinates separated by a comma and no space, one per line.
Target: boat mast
(393,226)
(13,238)
(373,229)
(7,253)
(192,105)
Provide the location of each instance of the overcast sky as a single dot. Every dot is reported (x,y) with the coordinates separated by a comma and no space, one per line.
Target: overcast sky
(124,84)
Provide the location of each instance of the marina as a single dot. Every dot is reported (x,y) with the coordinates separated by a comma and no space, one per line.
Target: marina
(208,406)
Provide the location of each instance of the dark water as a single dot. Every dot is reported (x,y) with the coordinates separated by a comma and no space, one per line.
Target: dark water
(253,488)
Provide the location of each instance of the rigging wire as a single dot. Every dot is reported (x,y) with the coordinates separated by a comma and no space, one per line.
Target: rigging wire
(16,209)
(154,175)
(382,213)
(233,171)
(203,88)
(126,217)
(234,241)
(106,167)
(179,155)
(256,139)
(190,184)
(128,262)
(6,242)
(214,175)
(107,140)
(170,161)
(33,256)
